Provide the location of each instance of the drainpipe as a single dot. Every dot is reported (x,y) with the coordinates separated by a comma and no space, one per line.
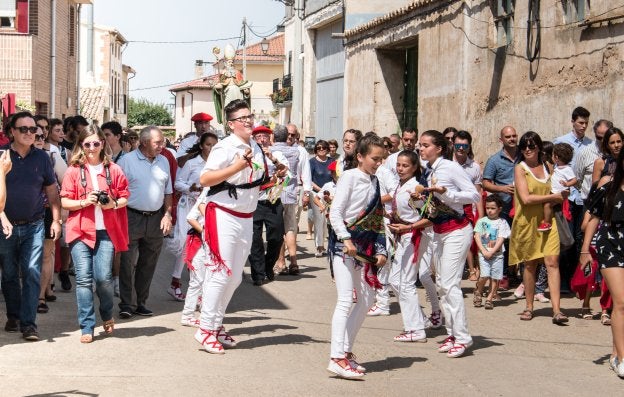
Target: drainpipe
(191,113)
(52,109)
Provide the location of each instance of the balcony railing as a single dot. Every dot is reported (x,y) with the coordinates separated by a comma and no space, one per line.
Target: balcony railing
(286,80)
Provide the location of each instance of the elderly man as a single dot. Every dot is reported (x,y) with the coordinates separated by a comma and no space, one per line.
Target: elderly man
(584,165)
(395,139)
(269,213)
(21,250)
(149,219)
(202,124)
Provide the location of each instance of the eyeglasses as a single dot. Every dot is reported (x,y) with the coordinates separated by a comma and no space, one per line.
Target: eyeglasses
(530,146)
(321,148)
(245,119)
(89,145)
(39,137)
(24,129)
(461,146)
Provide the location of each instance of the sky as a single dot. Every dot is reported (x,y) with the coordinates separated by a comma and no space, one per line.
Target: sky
(163,65)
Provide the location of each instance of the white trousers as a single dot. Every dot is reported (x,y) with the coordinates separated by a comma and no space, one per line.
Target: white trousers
(235,236)
(320,226)
(426,262)
(178,243)
(348,316)
(452,249)
(196,282)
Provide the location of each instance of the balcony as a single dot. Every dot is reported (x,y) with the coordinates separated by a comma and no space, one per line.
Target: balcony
(282,96)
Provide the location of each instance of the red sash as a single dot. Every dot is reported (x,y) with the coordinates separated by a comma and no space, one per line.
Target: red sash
(452,225)
(193,245)
(211,233)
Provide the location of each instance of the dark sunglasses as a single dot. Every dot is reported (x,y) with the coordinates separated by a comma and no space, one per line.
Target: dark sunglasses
(89,145)
(322,148)
(530,146)
(24,129)
(39,137)
(461,146)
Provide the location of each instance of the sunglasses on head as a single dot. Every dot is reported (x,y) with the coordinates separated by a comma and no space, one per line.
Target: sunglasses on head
(24,129)
(461,146)
(89,145)
(39,137)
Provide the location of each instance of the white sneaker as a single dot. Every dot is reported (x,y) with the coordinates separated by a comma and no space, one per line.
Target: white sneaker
(347,372)
(447,344)
(176,293)
(354,364)
(209,341)
(519,292)
(189,321)
(224,338)
(458,349)
(613,363)
(377,311)
(619,369)
(541,298)
(411,336)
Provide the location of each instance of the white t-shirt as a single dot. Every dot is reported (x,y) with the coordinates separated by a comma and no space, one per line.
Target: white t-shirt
(94,170)
(564,173)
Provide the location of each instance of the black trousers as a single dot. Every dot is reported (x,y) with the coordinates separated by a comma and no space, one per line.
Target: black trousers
(569,258)
(270,216)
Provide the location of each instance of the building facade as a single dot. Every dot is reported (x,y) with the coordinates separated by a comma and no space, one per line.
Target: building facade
(478,66)
(37,61)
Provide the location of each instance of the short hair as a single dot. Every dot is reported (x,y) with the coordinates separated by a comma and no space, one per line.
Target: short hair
(580,112)
(66,123)
(600,122)
(495,198)
(564,152)
(464,135)
(39,117)
(395,135)
(364,145)
(55,122)
(17,116)
(113,127)
(146,133)
(333,142)
(78,120)
(233,107)
(410,130)
(280,133)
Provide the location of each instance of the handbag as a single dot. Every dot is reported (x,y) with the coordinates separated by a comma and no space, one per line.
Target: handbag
(565,235)
(584,277)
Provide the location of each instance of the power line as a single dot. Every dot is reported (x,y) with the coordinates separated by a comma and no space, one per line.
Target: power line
(183,42)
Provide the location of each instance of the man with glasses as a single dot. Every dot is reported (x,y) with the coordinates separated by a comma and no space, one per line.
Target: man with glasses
(21,251)
(149,219)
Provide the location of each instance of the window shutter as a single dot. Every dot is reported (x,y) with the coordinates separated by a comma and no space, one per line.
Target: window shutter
(22,16)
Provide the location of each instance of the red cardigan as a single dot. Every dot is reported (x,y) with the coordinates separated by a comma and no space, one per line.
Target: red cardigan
(81,223)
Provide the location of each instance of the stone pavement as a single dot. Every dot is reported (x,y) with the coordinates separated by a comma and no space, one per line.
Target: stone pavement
(283,329)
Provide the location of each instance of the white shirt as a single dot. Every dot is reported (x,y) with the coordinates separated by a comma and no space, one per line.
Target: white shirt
(388,183)
(148,182)
(564,173)
(186,144)
(194,214)
(304,169)
(401,199)
(223,155)
(584,166)
(189,174)
(473,169)
(354,190)
(459,188)
(94,170)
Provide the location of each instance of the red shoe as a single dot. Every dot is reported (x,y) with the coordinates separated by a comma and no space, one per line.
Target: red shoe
(544,227)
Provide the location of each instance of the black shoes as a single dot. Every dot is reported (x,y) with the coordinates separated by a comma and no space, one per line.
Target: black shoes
(30,334)
(12,325)
(125,313)
(258,283)
(143,311)
(66,284)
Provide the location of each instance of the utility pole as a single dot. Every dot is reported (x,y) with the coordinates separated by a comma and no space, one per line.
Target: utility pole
(244,48)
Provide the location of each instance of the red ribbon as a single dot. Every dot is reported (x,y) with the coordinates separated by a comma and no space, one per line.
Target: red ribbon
(193,244)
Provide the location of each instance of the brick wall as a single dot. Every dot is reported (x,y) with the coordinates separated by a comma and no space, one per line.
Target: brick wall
(16,65)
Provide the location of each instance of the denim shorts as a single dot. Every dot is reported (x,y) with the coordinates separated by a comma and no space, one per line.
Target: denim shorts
(492,267)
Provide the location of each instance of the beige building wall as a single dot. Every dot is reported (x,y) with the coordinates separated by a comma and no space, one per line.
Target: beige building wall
(466,81)
(262,75)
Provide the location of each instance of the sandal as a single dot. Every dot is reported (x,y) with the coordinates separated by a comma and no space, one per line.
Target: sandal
(526,315)
(42,307)
(473,276)
(587,314)
(293,269)
(559,319)
(488,305)
(605,319)
(477,300)
(109,326)
(86,338)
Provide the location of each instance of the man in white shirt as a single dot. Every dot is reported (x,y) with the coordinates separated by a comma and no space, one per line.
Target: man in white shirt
(149,219)
(409,140)
(202,124)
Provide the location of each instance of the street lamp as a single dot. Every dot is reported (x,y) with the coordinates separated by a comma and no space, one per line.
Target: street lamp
(264,45)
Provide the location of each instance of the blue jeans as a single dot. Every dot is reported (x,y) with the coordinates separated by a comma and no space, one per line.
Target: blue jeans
(93,264)
(22,253)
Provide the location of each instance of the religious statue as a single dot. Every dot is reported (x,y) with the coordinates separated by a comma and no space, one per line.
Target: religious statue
(230,84)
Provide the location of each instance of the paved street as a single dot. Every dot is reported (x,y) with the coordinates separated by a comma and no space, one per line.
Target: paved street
(283,329)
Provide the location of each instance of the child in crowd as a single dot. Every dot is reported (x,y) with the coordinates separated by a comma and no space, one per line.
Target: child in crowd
(356,216)
(196,259)
(490,233)
(562,179)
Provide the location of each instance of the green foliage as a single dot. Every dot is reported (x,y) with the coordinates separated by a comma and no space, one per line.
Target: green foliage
(143,112)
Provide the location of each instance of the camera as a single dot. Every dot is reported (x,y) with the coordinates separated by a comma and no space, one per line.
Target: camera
(102,197)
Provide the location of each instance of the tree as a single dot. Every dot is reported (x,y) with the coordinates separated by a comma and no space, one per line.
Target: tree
(143,112)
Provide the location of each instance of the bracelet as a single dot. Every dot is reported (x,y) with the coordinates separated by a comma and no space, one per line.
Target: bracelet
(116,203)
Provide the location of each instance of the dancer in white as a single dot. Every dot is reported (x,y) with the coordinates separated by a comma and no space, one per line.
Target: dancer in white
(450,189)
(356,216)
(234,172)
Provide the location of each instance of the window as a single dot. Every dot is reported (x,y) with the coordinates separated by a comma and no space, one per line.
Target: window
(72,31)
(575,10)
(503,11)
(14,15)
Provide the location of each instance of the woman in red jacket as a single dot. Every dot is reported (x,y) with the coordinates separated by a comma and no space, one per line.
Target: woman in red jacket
(94,190)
